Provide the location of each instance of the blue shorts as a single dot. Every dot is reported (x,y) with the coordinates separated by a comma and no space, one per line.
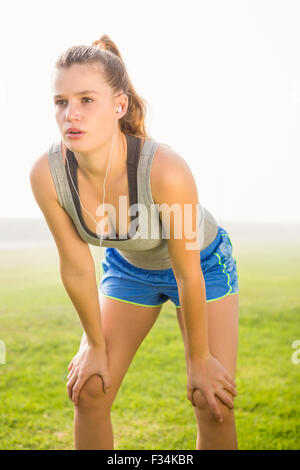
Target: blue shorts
(148,287)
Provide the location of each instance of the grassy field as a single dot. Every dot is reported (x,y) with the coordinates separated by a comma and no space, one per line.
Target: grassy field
(42,332)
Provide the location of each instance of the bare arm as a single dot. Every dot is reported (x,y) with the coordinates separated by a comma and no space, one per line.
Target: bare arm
(172,183)
(76,263)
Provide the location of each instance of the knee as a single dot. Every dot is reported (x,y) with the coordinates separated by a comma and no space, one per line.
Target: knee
(92,394)
(204,412)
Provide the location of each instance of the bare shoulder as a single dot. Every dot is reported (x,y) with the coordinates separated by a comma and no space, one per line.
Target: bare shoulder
(40,177)
(73,250)
(170,173)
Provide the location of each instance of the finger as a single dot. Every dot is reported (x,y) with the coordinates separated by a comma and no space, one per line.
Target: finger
(70,365)
(76,389)
(199,399)
(230,379)
(70,375)
(190,396)
(106,382)
(214,408)
(71,372)
(70,384)
(230,388)
(225,398)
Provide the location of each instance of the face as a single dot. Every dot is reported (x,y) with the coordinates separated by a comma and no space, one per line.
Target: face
(84,101)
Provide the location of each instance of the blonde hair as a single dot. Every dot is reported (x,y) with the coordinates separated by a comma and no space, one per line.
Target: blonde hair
(105,52)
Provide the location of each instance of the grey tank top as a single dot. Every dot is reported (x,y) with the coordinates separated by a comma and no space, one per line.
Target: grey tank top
(145,245)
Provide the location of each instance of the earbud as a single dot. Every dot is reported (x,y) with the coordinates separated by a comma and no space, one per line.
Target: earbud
(119,108)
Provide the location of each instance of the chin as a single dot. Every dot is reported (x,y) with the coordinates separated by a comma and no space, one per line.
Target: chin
(76,145)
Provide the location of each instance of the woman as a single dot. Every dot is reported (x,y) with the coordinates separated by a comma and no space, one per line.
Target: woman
(101,120)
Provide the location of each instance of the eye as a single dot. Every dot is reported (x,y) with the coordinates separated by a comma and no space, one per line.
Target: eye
(62,102)
(59,102)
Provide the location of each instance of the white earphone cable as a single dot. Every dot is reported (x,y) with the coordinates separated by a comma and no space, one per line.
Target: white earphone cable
(102,208)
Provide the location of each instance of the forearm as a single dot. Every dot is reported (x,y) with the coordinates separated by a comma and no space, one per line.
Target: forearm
(82,290)
(192,297)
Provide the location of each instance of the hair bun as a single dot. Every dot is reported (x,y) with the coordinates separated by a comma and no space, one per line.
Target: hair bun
(99,44)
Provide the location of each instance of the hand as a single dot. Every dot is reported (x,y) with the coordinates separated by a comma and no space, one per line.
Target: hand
(210,378)
(90,360)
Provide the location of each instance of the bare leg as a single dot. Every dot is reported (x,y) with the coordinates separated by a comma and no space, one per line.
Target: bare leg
(92,422)
(223,344)
(124,327)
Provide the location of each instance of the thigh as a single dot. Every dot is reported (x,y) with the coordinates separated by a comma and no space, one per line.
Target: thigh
(222,321)
(124,327)
(123,281)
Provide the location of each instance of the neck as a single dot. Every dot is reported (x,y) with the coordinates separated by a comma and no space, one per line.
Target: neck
(113,151)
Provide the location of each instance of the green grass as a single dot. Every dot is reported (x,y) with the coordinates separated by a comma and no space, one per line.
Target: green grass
(42,332)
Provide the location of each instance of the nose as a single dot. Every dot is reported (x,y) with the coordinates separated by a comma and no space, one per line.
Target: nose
(72,112)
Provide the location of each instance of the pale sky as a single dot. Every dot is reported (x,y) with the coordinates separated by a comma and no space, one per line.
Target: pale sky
(222,79)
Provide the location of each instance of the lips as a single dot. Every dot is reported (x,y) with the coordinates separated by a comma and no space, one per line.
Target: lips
(74,132)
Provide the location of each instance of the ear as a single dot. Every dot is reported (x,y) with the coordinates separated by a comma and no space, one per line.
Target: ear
(122,101)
